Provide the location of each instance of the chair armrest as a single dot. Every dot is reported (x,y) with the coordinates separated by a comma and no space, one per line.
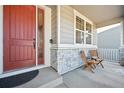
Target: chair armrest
(91,61)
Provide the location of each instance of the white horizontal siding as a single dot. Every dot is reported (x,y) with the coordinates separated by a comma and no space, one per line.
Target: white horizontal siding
(110,38)
(66,25)
(54,23)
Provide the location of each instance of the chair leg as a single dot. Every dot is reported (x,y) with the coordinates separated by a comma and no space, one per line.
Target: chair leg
(84,66)
(101,65)
(94,66)
(90,68)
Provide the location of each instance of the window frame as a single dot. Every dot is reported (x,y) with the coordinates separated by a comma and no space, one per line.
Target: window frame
(86,20)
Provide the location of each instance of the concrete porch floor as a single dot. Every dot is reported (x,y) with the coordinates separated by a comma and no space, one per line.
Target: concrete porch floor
(112,76)
(46,78)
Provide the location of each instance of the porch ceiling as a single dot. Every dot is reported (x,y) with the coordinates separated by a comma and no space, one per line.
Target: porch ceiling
(101,15)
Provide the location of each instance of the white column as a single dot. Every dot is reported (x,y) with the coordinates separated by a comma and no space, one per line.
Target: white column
(1,39)
(122,34)
(47,32)
(36,36)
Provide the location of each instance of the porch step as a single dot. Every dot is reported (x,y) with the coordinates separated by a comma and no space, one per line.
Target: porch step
(47,78)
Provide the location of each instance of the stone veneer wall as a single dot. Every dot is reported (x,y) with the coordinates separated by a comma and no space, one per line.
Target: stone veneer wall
(65,60)
(68,59)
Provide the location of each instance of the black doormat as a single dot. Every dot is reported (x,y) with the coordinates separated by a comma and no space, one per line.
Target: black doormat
(19,79)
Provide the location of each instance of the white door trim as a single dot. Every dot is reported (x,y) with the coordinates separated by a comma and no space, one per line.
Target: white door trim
(1,39)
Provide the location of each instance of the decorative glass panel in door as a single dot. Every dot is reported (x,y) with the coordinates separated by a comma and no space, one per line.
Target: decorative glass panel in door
(40,37)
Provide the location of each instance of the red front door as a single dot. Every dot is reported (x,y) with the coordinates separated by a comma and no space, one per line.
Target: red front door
(19,36)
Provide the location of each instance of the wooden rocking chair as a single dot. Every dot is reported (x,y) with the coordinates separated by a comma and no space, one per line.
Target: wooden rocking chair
(94,56)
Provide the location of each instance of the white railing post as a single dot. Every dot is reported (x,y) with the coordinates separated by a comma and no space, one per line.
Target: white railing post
(109,54)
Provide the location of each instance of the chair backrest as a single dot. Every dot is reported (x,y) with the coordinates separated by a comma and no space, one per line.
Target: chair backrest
(93,53)
(83,56)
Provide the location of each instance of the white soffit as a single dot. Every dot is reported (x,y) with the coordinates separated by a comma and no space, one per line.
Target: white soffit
(101,15)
